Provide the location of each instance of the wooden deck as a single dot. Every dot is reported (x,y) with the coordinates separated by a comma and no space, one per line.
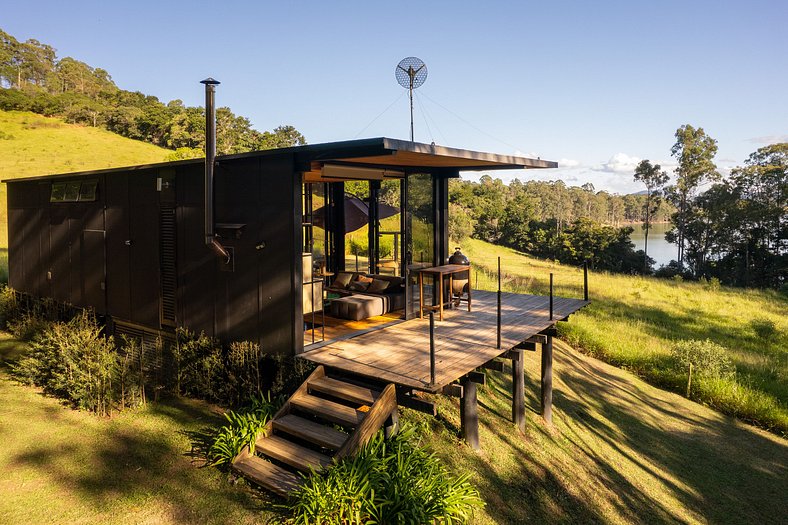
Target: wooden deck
(400,353)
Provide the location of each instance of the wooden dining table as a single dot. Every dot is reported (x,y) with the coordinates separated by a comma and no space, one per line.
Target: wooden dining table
(439,272)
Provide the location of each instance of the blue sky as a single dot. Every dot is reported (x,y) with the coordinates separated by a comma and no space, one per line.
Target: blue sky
(596,86)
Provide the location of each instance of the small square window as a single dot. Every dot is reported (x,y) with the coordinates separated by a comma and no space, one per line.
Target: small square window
(72,192)
(58,192)
(87,191)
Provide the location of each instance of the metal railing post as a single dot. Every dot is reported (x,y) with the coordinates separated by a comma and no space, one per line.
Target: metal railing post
(498,345)
(432,347)
(551,296)
(585,280)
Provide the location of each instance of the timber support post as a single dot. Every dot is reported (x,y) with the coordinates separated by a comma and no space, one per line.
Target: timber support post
(518,389)
(547,380)
(469,413)
(391,427)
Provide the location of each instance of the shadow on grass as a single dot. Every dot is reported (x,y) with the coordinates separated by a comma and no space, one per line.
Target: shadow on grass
(620,451)
(111,467)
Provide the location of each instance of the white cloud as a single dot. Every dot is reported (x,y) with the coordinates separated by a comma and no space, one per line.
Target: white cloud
(769,139)
(619,163)
(568,163)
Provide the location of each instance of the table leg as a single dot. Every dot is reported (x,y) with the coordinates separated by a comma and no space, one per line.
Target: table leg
(469,290)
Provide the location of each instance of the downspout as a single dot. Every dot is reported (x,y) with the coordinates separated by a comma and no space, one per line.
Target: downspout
(210,159)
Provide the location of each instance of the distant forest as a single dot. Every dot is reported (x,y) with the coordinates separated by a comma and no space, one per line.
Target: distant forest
(33,78)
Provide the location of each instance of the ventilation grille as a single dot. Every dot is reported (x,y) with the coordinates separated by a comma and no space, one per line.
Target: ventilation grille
(169,277)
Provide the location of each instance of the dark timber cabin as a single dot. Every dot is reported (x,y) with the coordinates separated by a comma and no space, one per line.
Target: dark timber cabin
(271,247)
(129,242)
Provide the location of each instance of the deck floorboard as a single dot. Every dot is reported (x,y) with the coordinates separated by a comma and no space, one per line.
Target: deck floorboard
(463,340)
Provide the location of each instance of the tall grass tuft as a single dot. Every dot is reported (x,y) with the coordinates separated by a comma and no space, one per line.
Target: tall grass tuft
(242,429)
(388,481)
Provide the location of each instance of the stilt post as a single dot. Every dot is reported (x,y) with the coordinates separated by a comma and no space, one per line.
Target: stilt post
(585,280)
(391,427)
(551,296)
(518,389)
(547,380)
(469,414)
(432,347)
(498,345)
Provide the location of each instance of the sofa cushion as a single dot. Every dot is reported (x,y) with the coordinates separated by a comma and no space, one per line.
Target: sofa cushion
(364,279)
(377,286)
(342,280)
(358,286)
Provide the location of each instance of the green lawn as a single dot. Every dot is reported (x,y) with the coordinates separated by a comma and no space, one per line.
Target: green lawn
(620,451)
(59,465)
(33,145)
(633,321)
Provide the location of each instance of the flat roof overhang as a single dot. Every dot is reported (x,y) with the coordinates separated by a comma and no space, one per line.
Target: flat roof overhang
(380,153)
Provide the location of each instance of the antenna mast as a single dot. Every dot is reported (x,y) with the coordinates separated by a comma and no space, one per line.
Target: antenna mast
(411,73)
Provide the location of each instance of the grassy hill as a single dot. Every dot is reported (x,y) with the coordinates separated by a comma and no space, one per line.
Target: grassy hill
(633,322)
(32,145)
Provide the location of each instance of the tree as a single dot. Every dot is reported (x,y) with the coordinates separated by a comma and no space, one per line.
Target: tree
(654,179)
(694,151)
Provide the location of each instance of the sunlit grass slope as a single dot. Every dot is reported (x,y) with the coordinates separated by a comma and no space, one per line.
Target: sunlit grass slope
(634,321)
(32,145)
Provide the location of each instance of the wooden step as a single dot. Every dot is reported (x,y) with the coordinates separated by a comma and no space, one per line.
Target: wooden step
(294,455)
(316,433)
(343,390)
(328,410)
(266,474)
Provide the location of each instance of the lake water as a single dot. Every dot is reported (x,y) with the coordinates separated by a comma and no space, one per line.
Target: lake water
(658,248)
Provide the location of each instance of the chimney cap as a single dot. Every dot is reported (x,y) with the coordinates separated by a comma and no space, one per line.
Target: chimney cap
(210,82)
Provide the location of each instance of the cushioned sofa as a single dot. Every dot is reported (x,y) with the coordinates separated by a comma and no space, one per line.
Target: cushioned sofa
(363,295)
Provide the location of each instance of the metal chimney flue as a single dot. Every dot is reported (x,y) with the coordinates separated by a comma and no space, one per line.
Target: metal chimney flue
(210,160)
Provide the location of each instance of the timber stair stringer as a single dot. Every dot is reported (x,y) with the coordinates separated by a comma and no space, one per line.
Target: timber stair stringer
(325,419)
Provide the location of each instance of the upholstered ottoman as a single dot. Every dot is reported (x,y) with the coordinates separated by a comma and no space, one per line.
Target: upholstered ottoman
(357,307)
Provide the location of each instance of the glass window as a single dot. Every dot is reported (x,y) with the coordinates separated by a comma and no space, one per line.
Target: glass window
(87,191)
(58,192)
(72,192)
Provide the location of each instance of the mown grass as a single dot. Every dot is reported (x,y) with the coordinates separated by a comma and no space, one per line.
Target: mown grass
(33,145)
(633,323)
(59,465)
(620,451)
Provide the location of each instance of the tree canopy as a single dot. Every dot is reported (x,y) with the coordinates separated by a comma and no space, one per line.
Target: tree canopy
(33,78)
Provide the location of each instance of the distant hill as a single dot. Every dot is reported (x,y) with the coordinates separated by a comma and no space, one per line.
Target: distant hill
(32,145)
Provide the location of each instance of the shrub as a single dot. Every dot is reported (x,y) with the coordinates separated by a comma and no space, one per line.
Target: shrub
(765,329)
(9,306)
(708,359)
(243,428)
(74,361)
(198,366)
(243,371)
(388,481)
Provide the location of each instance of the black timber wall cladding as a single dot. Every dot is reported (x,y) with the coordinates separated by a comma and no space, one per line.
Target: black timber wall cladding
(49,244)
(257,203)
(106,254)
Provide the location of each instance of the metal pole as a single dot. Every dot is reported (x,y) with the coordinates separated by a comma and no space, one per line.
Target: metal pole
(551,296)
(432,347)
(499,304)
(585,280)
(411,74)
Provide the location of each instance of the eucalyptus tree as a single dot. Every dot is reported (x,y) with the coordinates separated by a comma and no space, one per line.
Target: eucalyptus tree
(694,151)
(654,179)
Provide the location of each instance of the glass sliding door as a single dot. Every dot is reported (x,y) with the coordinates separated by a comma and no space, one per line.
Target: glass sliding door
(419,237)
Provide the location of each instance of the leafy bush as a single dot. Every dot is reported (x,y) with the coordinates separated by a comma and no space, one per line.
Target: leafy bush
(243,428)
(708,359)
(74,361)
(198,366)
(388,481)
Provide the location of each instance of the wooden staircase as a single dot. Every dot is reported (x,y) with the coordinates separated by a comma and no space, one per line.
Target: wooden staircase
(325,418)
